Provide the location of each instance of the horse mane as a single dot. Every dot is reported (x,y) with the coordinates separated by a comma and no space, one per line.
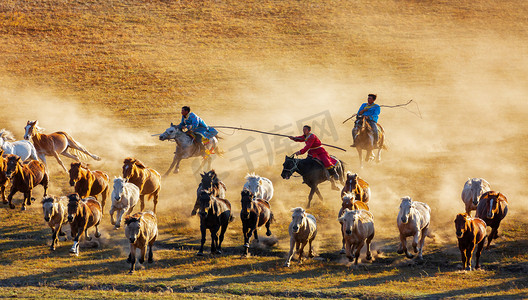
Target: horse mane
(251,175)
(133,218)
(298,210)
(137,162)
(7,135)
(48,199)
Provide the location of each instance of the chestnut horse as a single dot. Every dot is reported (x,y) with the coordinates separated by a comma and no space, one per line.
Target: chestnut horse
(254,214)
(356,185)
(470,232)
(24,178)
(349,202)
(89,183)
(3,177)
(56,215)
(83,214)
(54,144)
(146,179)
(364,140)
(492,208)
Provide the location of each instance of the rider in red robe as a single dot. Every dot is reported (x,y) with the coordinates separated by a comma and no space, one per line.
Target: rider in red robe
(315,150)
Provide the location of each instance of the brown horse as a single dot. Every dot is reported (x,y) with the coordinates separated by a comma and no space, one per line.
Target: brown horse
(215,214)
(3,177)
(24,178)
(254,214)
(146,179)
(492,208)
(54,144)
(364,140)
(470,232)
(142,231)
(356,185)
(56,215)
(89,183)
(349,202)
(83,214)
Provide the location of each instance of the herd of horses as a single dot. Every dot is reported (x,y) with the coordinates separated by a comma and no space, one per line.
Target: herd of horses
(83,209)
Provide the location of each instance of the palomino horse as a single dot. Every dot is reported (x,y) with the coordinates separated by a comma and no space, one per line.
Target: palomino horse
(473,189)
(141,230)
(210,183)
(260,187)
(23,148)
(312,172)
(146,179)
(89,183)
(187,146)
(303,230)
(364,140)
(54,144)
(56,215)
(470,232)
(215,214)
(24,178)
(254,214)
(125,197)
(492,208)
(356,185)
(358,226)
(413,220)
(349,202)
(83,214)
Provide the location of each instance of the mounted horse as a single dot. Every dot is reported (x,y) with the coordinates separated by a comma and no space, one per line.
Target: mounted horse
(210,183)
(125,196)
(492,208)
(24,178)
(358,229)
(312,172)
(473,189)
(470,232)
(56,215)
(89,183)
(188,146)
(349,202)
(413,220)
(364,140)
(23,148)
(146,179)
(141,230)
(82,215)
(215,214)
(260,187)
(255,213)
(54,144)
(356,185)
(3,177)
(303,230)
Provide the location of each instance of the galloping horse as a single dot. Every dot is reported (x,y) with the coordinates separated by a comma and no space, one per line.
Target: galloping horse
(210,183)
(358,186)
(303,230)
(54,144)
(364,140)
(492,208)
(89,183)
(349,202)
(312,172)
(215,214)
(473,189)
(146,179)
(470,232)
(254,214)
(142,231)
(83,214)
(56,215)
(358,228)
(24,178)
(23,148)
(413,220)
(187,147)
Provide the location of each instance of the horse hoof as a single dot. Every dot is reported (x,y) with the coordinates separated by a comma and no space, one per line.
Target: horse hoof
(23,208)
(342,251)
(399,251)
(218,252)
(176,171)
(199,254)
(52,248)
(369,257)
(129,260)
(11,206)
(97,234)
(409,255)
(130,272)
(246,245)
(88,238)
(32,199)
(268,233)
(287,264)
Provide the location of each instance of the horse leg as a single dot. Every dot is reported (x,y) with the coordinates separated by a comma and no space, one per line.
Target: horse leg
(60,161)
(360,154)
(97,234)
(409,255)
(358,251)
(143,253)
(469,254)
(155,200)
(343,250)
(88,238)
(290,254)
(319,194)
(310,249)
(203,230)
(221,238)
(348,250)
(479,251)
(142,200)
(310,196)
(492,234)
(27,200)
(75,248)
(54,238)
(214,239)
(10,196)
(378,158)
(369,240)
(268,224)
(150,254)
(177,168)
(67,154)
(402,246)
(2,191)
(300,250)
(132,258)
(416,239)
(45,183)
(247,235)
(111,212)
(422,241)
(171,166)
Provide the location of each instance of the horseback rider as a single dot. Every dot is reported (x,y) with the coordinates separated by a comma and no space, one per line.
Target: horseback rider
(315,150)
(371,112)
(197,128)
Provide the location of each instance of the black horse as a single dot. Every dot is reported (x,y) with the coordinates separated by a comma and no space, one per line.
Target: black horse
(210,183)
(215,214)
(312,172)
(254,214)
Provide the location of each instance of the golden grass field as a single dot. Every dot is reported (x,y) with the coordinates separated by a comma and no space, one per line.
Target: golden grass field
(112,73)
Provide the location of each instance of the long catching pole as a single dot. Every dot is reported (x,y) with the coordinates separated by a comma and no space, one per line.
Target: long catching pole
(390,106)
(269,133)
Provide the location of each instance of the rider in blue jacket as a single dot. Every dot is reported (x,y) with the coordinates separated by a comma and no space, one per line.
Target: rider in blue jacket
(197,126)
(371,111)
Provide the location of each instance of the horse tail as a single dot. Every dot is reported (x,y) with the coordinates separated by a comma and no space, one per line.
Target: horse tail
(73,144)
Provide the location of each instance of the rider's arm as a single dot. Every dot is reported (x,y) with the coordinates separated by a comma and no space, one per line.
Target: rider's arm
(309,142)
(361,108)
(193,118)
(297,138)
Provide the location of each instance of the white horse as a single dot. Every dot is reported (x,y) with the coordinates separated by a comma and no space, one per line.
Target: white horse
(125,196)
(260,187)
(303,229)
(186,147)
(413,220)
(358,229)
(23,148)
(473,189)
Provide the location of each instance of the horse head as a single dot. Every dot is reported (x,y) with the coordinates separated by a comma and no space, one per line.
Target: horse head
(205,203)
(288,167)
(12,164)
(247,199)
(253,183)
(31,129)
(405,209)
(75,172)
(349,220)
(462,221)
(74,201)
(117,191)
(128,167)
(133,227)
(48,207)
(209,179)
(348,200)
(492,200)
(351,181)
(298,216)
